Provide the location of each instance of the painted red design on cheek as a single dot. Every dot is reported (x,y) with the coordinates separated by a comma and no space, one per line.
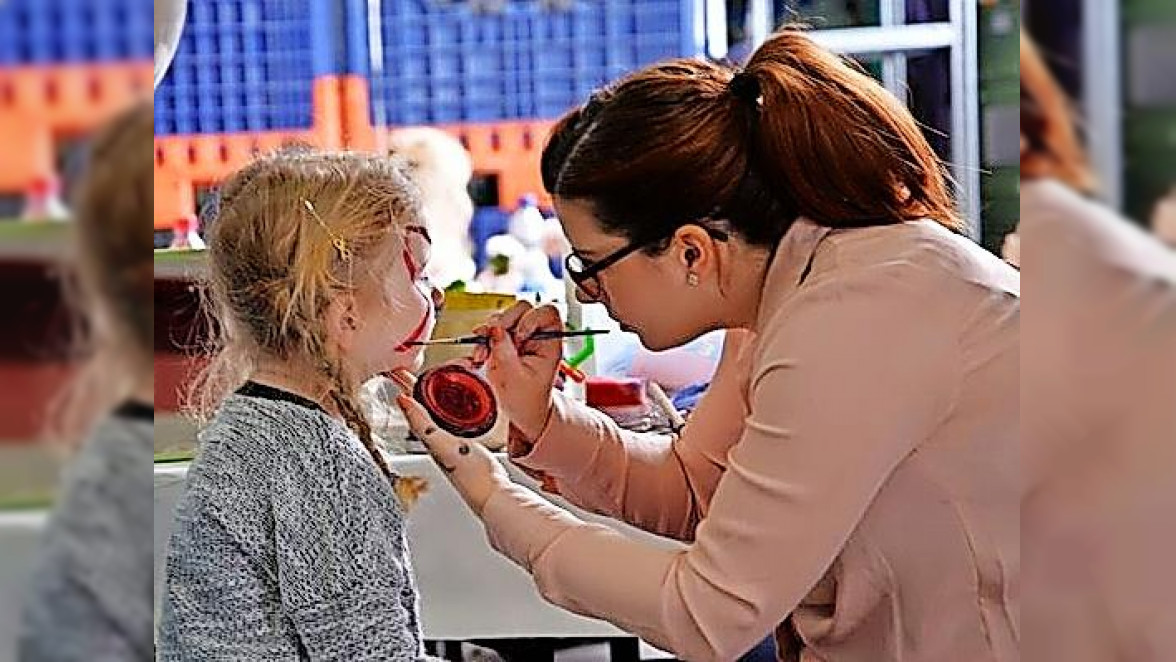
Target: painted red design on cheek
(411,265)
(459,401)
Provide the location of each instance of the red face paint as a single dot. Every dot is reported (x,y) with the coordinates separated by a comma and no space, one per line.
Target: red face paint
(458,400)
(410,264)
(416,335)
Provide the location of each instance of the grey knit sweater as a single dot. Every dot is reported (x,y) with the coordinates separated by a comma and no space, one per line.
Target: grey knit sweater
(90,598)
(288,544)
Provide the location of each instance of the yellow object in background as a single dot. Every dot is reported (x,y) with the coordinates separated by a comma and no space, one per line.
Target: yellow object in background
(461,314)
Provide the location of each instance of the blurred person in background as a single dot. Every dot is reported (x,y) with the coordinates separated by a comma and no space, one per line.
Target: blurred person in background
(1098,420)
(91,595)
(441,168)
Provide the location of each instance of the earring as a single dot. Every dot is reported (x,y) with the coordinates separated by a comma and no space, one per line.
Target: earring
(692,279)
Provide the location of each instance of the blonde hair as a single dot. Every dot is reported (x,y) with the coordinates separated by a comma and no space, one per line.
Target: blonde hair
(291,232)
(110,279)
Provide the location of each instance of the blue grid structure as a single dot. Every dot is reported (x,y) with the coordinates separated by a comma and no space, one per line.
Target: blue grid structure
(448,62)
(50,32)
(249,65)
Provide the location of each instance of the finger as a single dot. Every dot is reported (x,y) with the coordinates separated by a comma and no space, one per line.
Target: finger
(504,358)
(468,363)
(404,379)
(441,445)
(509,318)
(545,318)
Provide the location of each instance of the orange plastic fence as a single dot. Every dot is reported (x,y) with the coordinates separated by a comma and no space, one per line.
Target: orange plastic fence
(185,163)
(509,150)
(41,105)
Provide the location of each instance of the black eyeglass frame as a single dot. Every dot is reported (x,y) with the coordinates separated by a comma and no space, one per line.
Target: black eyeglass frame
(582,274)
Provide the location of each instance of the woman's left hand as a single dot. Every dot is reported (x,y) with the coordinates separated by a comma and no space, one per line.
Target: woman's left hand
(468,464)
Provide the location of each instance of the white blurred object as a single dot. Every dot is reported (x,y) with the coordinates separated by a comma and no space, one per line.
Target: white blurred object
(677,368)
(527,223)
(535,269)
(441,168)
(186,234)
(169,23)
(43,201)
(503,272)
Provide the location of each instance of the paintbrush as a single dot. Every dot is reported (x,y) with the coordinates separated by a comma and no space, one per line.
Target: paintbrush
(485,340)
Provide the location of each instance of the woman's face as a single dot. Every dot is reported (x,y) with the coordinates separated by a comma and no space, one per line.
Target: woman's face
(647,295)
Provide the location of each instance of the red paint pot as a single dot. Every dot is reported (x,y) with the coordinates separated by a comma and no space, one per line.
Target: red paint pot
(459,401)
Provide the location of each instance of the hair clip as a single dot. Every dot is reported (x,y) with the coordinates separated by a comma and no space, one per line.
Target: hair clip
(338,242)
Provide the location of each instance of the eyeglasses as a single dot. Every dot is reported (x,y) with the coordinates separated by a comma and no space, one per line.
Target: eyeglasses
(585,274)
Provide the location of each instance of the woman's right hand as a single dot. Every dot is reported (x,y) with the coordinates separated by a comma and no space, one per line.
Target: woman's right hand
(522,371)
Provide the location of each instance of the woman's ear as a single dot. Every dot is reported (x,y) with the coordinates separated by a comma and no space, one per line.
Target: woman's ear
(694,248)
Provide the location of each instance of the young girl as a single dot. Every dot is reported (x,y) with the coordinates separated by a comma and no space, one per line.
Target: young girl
(94,570)
(290,539)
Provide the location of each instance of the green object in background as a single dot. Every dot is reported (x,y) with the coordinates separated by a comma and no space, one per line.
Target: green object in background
(1147,181)
(175,457)
(1001,207)
(1149,134)
(26,502)
(586,351)
(823,14)
(48,239)
(999,44)
(1148,11)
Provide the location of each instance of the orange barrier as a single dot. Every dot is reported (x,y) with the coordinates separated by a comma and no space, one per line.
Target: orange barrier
(509,149)
(185,163)
(41,104)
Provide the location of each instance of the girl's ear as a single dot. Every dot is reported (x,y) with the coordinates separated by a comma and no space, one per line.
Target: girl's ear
(343,321)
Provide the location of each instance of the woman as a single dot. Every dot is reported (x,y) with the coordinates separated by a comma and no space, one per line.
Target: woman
(849,482)
(1097,379)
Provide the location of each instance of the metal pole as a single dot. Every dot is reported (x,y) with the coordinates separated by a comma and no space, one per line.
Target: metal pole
(874,40)
(894,65)
(965,112)
(375,25)
(1102,95)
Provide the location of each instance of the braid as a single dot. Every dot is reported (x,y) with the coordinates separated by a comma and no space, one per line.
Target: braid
(344,401)
(408,489)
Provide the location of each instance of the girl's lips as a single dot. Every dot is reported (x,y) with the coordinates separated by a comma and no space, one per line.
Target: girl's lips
(415,336)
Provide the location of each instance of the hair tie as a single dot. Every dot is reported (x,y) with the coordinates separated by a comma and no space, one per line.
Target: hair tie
(745,86)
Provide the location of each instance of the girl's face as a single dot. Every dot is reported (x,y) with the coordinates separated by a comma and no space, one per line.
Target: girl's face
(394,306)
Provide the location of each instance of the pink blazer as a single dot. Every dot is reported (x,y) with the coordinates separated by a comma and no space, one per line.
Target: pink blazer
(850,481)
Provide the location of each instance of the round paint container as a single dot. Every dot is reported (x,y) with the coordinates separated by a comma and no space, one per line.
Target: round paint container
(460,401)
